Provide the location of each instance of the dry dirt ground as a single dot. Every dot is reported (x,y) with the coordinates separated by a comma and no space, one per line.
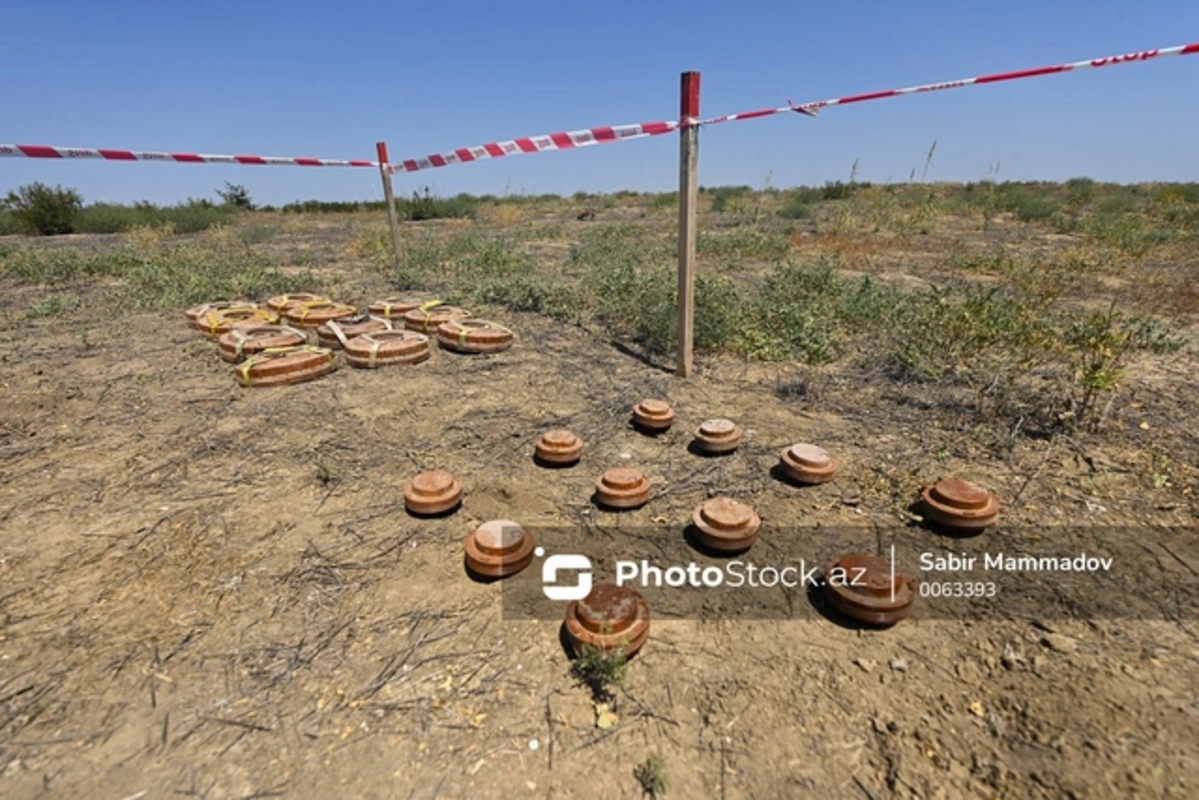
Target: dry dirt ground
(215,592)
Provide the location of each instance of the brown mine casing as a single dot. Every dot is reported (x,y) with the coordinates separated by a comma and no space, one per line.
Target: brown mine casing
(385,348)
(242,341)
(469,335)
(498,548)
(285,366)
(865,587)
(614,619)
(960,505)
(623,488)
(432,492)
(807,463)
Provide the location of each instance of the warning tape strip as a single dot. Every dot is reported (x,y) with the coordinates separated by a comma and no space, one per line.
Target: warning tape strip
(48,151)
(569,140)
(813,108)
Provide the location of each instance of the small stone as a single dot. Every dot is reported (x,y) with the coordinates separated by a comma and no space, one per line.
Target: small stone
(12,769)
(1013,660)
(976,708)
(534,744)
(866,664)
(899,664)
(1060,643)
(969,672)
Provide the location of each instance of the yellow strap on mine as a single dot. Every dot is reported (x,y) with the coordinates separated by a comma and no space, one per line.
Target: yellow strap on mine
(337,331)
(424,309)
(241,340)
(462,333)
(244,371)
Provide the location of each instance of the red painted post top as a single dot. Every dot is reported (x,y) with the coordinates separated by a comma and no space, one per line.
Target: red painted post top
(381,150)
(689,96)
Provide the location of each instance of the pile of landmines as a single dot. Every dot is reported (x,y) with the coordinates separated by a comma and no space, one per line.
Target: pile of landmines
(296,337)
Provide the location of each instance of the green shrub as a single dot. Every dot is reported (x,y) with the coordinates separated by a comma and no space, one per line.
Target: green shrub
(426,206)
(43,211)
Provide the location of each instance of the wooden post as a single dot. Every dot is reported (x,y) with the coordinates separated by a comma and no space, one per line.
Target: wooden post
(688,199)
(389,195)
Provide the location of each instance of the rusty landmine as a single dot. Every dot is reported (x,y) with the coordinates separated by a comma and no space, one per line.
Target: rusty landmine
(498,548)
(614,619)
(622,487)
(469,335)
(433,492)
(558,448)
(285,365)
(959,505)
(315,313)
(653,415)
(726,525)
(395,307)
(242,341)
(718,436)
(282,302)
(214,322)
(859,585)
(428,317)
(807,463)
(195,312)
(385,348)
(336,332)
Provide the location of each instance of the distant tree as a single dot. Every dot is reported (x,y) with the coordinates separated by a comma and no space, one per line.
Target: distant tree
(237,196)
(40,210)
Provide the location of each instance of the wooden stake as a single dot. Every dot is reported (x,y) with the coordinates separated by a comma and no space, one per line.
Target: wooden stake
(392,218)
(688,199)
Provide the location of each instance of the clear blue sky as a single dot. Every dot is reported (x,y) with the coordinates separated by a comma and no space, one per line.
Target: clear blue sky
(300,78)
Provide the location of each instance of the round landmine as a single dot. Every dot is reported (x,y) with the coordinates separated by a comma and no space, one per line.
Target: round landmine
(468,335)
(558,448)
(623,487)
(316,313)
(214,322)
(613,619)
(860,586)
(384,348)
(726,525)
(395,307)
(195,312)
(960,505)
(336,332)
(285,365)
(282,302)
(718,436)
(432,492)
(653,415)
(242,341)
(429,317)
(807,463)
(498,548)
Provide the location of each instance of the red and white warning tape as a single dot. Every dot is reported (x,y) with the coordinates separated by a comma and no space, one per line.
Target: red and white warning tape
(562,141)
(999,77)
(45,151)
(566,140)
(574,139)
